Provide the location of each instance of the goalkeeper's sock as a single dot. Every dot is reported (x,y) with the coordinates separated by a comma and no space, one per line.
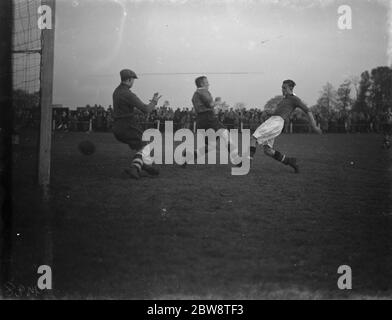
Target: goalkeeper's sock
(137,161)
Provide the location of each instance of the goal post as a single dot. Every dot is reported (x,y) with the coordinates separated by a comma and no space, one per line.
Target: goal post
(6,27)
(46,95)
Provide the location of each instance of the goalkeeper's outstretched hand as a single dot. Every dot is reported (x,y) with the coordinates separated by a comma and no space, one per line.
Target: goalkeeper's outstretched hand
(156,97)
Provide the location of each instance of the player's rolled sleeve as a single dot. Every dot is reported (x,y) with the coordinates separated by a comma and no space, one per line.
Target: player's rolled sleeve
(134,101)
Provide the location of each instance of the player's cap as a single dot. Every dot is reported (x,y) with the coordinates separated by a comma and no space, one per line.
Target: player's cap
(127,74)
(290,83)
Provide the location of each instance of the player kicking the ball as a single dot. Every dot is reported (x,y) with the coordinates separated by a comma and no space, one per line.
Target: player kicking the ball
(266,133)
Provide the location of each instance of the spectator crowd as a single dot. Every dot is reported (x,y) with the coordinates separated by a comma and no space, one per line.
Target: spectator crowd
(97,118)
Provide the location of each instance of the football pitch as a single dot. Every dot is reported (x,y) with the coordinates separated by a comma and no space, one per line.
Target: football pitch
(200,232)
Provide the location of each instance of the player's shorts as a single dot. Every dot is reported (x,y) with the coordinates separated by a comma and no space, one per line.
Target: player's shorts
(269,130)
(208,120)
(129,133)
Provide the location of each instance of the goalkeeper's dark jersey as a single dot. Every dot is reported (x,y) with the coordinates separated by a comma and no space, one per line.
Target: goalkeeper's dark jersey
(125,102)
(288,104)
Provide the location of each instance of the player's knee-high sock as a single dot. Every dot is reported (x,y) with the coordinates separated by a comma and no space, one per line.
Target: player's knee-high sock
(280,157)
(276,155)
(292,162)
(137,161)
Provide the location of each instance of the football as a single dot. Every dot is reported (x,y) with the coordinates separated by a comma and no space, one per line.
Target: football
(86,147)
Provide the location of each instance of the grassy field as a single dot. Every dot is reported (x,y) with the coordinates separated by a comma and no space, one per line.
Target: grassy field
(201,233)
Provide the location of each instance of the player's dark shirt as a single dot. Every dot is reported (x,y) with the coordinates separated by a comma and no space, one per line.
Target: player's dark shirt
(288,104)
(124,102)
(202,101)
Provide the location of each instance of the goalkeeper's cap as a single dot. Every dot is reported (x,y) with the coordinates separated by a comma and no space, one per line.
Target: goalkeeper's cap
(126,74)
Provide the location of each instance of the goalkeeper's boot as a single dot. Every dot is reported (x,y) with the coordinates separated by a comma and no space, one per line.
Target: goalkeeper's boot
(152,171)
(292,162)
(132,172)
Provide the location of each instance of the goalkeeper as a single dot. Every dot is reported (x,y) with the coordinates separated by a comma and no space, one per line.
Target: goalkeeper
(126,127)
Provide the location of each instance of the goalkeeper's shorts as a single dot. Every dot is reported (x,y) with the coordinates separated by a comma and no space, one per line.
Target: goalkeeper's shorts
(129,133)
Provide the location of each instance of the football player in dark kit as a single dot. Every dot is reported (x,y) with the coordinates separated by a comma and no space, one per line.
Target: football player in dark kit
(204,104)
(126,127)
(266,133)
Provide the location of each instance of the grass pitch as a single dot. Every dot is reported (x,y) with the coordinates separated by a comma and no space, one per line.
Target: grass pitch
(201,233)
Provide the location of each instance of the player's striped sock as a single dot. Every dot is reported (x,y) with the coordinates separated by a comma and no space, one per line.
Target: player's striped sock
(137,161)
(280,157)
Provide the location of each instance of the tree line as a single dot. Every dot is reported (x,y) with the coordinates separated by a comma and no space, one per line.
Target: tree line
(370,94)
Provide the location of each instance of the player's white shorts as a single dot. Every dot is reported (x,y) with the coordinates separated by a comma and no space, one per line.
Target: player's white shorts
(269,130)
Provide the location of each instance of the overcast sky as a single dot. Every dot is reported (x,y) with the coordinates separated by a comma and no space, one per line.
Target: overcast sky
(256,43)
